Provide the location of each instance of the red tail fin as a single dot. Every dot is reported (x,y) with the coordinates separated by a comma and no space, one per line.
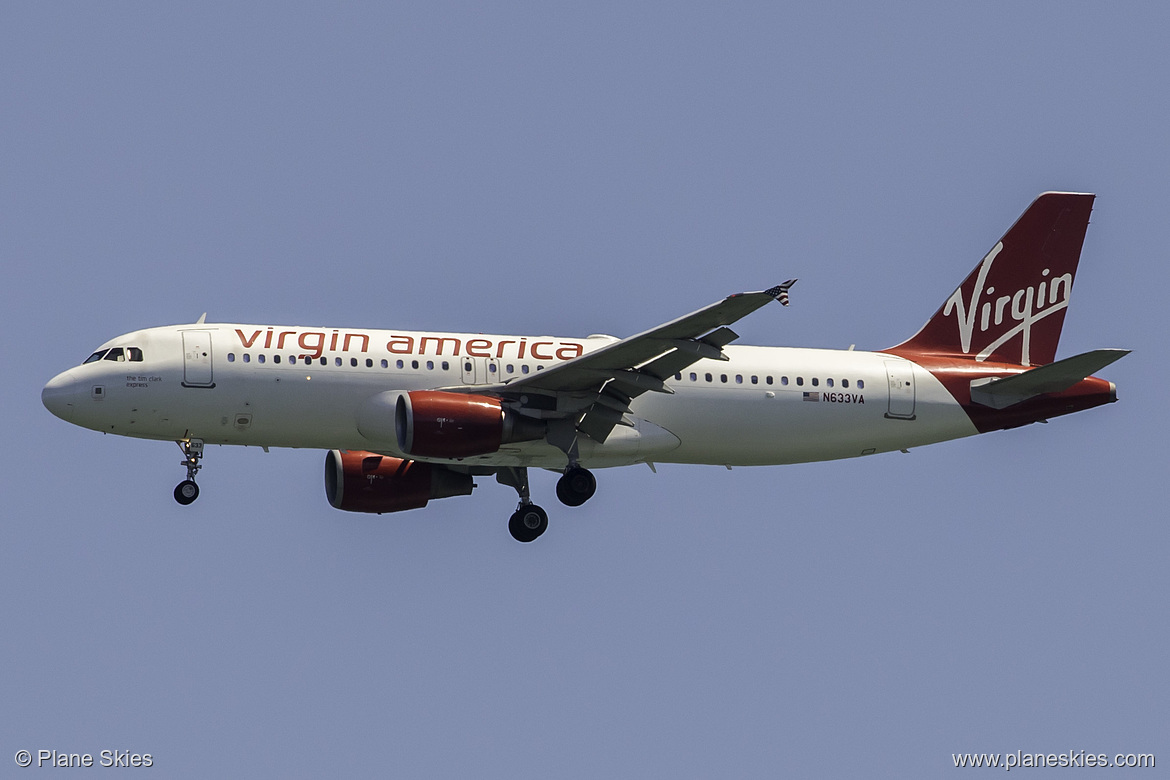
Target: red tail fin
(1011,308)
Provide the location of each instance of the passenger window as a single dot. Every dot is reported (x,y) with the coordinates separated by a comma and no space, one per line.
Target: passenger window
(247,358)
(829,382)
(276,359)
(783,380)
(95,357)
(523,369)
(337,361)
(815,381)
(447,366)
(800,381)
(231,357)
(385,363)
(414,364)
(261,359)
(353,362)
(292,360)
(860,384)
(844,383)
(723,378)
(694,377)
(135,354)
(369,362)
(116,355)
(708,376)
(492,368)
(509,368)
(739,379)
(678,377)
(399,364)
(755,379)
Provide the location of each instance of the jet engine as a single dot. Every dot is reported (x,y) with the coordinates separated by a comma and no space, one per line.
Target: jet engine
(438,424)
(367,482)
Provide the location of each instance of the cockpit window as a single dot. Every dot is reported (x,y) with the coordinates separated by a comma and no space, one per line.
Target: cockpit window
(117,353)
(135,354)
(95,357)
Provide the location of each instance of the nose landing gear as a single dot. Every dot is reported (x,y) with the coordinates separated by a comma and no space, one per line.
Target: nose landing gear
(187,491)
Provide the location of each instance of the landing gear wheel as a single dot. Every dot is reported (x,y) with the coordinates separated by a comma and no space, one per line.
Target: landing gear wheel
(186,492)
(527,523)
(576,486)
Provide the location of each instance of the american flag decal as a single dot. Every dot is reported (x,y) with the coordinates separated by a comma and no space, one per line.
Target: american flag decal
(812,396)
(780,291)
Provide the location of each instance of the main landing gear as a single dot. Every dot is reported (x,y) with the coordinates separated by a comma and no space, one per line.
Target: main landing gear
(576,486)
(529,521)
(187,491)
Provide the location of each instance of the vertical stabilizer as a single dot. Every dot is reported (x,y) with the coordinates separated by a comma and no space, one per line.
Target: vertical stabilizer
(1011,308)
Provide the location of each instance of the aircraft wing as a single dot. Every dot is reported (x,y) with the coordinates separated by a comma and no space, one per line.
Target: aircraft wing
(603,382)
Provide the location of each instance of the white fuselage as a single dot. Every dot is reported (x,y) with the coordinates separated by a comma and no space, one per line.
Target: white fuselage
(304,387)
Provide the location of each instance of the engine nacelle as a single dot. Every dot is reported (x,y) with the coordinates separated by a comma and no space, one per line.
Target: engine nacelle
(367,482)
(438,424)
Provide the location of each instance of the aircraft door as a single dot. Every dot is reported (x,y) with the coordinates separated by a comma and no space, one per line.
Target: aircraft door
(472,368)
(197,359)
(900,376)
(480,371)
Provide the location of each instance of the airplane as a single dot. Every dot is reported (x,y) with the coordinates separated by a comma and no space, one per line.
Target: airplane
(411,416)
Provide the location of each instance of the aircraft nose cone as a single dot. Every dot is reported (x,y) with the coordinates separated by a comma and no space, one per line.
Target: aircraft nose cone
(61,394)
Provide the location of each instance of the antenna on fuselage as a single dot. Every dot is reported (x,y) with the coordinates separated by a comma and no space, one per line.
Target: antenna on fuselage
(201,319)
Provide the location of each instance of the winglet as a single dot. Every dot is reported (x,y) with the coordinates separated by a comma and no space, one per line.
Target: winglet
(780,291)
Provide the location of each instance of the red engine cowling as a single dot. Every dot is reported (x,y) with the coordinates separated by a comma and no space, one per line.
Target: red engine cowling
(438,424)
(367,482)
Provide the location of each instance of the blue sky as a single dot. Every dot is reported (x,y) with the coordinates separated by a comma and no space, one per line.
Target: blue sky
(533,168)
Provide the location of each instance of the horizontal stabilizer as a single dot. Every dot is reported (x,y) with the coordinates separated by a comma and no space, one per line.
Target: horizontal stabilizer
(1052,378)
